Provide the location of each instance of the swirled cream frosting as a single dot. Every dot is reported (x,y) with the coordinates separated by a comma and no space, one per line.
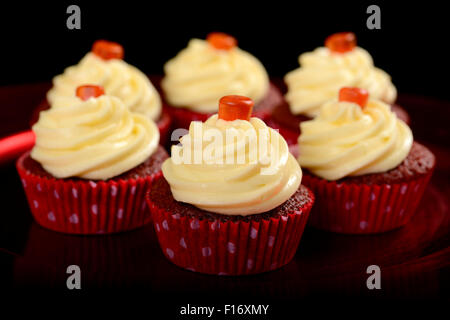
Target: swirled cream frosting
(347,140)
(117,77)
(249,174)
(200,75)
(322,73)
(94,139)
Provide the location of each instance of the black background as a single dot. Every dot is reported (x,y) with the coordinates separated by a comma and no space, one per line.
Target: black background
(411,45)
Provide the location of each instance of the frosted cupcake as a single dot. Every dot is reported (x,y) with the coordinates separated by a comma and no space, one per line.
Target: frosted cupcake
(91,165)
(362,164)
(209,69)
(322,72)
(230,217)
(105,66)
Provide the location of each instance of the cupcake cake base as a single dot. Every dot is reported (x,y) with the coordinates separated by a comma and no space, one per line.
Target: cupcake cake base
(371,203)
(206,242)
(79,206)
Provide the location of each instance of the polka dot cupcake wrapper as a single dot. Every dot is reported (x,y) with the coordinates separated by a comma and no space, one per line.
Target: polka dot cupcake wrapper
(364,209)
(83,206)
(227,247)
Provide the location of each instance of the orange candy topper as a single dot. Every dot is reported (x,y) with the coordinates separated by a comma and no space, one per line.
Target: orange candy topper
(341,42)
(235,107)
(221,41)
(355,95)
(107,50)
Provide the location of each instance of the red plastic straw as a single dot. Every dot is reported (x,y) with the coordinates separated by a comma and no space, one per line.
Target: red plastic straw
(13,146)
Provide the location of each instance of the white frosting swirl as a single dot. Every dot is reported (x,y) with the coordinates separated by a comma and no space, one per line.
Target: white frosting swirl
(118,78)
(347,140)
(200,75)
(322,73)
(257,183)
(94,139)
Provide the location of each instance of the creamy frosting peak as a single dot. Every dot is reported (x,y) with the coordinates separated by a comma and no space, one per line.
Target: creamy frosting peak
(201,74)
(94,139)
(322,73)
(347,140)
(117,77)
(251,173)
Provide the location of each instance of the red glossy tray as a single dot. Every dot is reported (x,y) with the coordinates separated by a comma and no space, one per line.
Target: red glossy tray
(414,260)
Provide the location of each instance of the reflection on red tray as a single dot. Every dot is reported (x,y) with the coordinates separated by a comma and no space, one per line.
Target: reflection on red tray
(325,261)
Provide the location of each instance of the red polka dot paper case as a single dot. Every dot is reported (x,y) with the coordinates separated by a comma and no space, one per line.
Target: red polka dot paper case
(351,208)
(229,247)
(83,206)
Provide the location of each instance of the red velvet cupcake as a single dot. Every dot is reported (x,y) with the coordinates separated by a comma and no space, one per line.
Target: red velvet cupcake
(236,212)
(105,66)
(321,74)
(91,165)
(206,71)
(361,163)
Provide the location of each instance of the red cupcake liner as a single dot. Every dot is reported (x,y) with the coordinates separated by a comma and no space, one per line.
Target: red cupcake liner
(164,122)
(364,209)
(229,247)
(86,207)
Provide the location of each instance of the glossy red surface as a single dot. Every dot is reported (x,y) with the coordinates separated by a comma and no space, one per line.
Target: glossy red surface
(414,260)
